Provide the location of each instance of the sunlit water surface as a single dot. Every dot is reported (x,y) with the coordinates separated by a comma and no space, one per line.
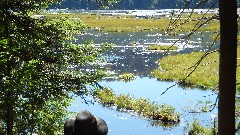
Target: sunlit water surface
(135,59)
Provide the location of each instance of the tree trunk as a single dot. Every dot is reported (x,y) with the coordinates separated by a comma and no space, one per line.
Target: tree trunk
(9,116)
(9,98)
(227,67)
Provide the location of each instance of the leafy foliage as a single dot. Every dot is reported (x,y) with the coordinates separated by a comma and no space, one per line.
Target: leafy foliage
(36,60)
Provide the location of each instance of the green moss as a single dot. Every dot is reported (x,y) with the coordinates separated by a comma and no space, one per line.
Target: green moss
(143,107)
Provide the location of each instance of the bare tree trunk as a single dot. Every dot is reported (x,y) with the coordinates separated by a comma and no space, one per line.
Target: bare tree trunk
(227,73)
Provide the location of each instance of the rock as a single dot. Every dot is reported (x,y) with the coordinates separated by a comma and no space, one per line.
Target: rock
(68,126)
(85,124)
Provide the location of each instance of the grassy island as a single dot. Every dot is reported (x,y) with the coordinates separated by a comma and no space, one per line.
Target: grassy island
(127,77)
(141,107)
(178,67)
(162,48)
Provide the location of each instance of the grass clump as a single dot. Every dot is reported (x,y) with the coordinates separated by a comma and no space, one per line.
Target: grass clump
(142,107)
(106,97)
(127,77)
(162,47)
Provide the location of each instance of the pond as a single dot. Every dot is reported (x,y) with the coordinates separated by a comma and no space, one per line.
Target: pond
(127,58)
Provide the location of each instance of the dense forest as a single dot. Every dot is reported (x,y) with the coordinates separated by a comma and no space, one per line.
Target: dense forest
(137,4)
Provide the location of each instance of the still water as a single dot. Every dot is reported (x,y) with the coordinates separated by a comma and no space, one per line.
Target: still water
(125,57)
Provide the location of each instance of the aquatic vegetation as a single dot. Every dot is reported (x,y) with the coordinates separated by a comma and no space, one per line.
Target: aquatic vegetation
(197,129)
(178,67)
(237,111)
(162,47)
(131,23)
(124,101)
(133,43)
(142,107)
(127,77)
(107,97)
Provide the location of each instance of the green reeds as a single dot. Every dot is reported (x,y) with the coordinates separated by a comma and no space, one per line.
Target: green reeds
(142,107)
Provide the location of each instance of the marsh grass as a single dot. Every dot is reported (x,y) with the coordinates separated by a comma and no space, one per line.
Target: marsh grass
(142,107)
(127,77)
(177,67)
(196,128)
(131,23)
(162,47)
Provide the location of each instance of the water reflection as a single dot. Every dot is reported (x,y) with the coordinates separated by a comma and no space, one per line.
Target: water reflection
(165,126)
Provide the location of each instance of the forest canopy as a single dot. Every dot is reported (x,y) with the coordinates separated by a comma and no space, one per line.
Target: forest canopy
(135,4)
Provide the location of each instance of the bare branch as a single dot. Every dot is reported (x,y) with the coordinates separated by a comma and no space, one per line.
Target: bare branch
(195,65)
(173,25)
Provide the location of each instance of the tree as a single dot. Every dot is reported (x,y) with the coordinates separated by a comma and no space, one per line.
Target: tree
(36,60)
(227,67)
(228,61)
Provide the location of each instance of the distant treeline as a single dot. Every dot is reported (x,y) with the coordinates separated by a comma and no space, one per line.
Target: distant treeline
(139,4)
